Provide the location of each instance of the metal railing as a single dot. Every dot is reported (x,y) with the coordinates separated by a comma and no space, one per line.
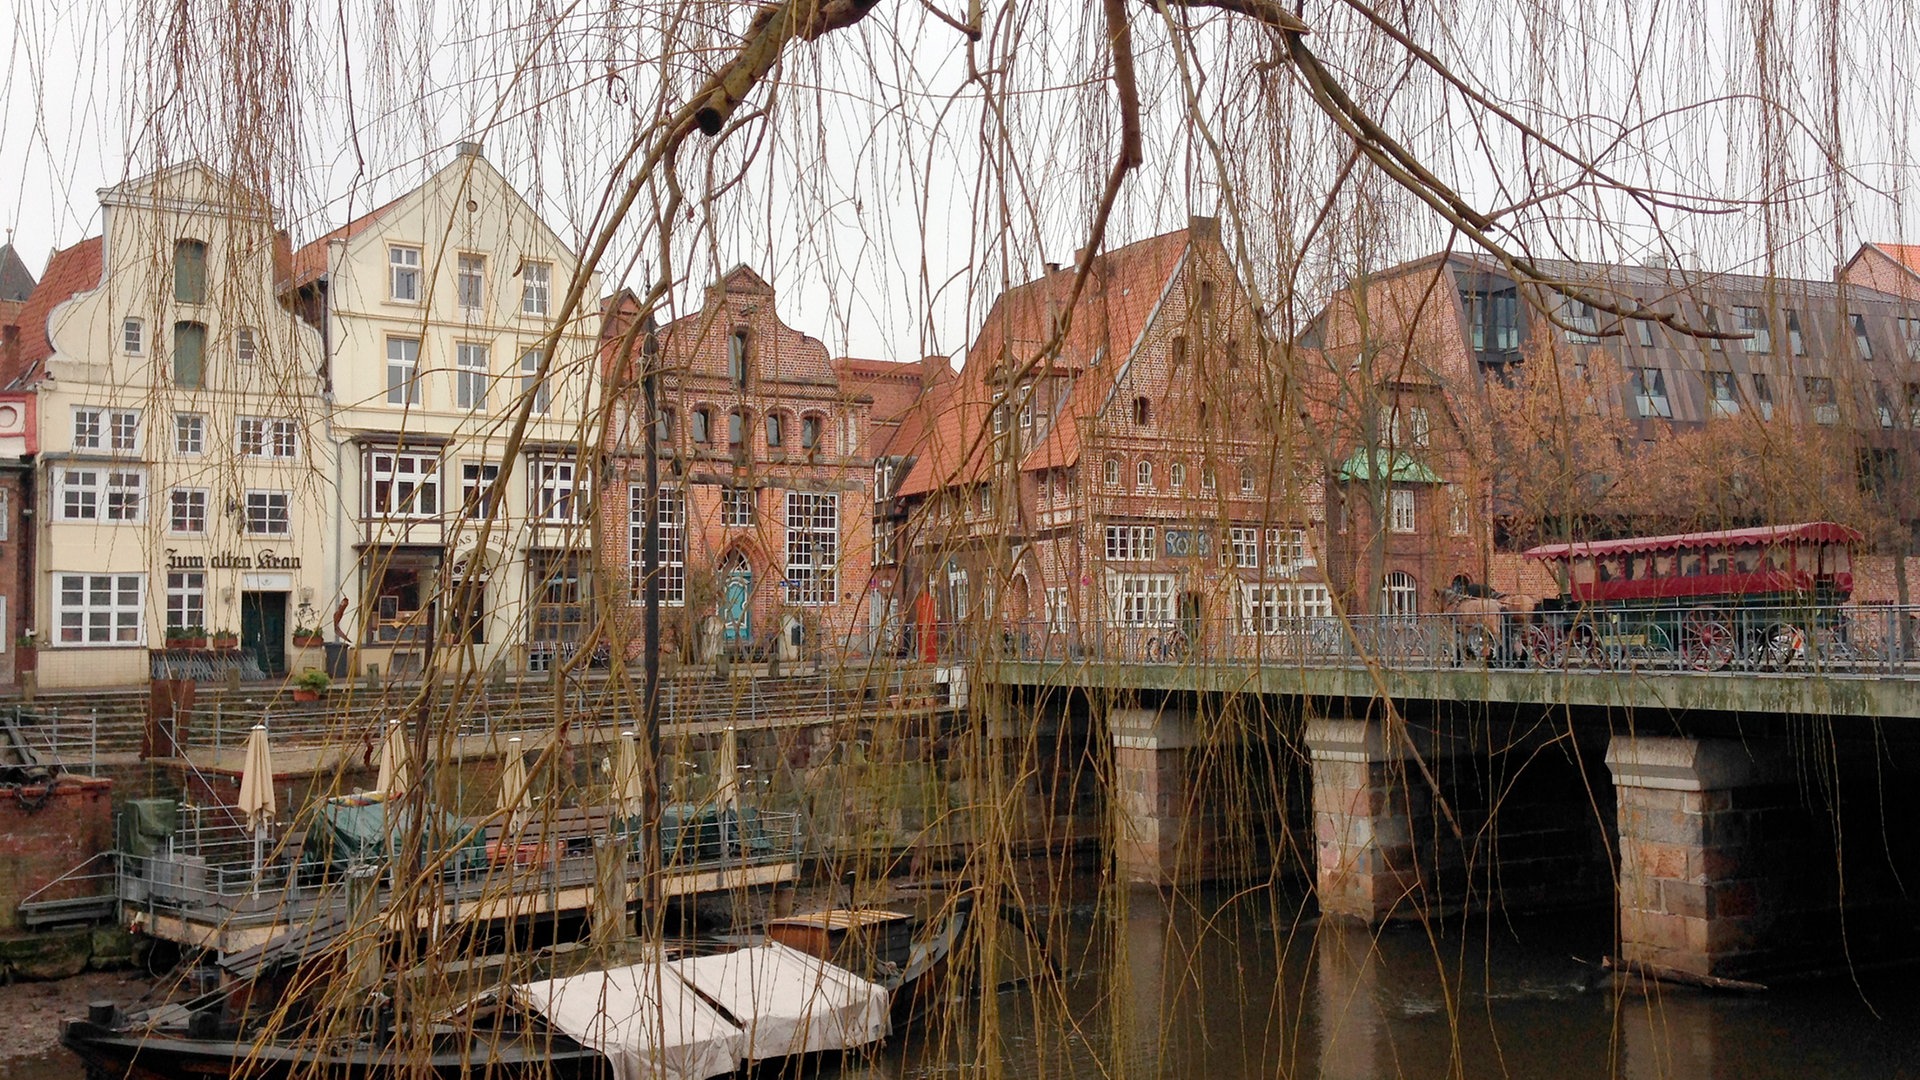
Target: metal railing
(745,703)
(1703,638)
(69,738)
(208,873)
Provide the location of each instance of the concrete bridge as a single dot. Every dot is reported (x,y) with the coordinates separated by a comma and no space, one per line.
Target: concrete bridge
(1749,821)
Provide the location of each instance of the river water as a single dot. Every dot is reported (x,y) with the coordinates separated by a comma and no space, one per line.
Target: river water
(1250,988)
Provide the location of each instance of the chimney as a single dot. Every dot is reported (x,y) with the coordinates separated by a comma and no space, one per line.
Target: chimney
(1053,267)
(470,148)
(1202,227)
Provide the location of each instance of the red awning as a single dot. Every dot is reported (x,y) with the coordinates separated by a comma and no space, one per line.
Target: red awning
(1821,532)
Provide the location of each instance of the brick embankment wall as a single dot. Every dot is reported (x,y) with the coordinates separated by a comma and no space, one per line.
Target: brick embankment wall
(47,831)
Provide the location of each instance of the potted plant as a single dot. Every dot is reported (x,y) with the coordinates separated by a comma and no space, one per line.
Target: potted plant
(310,684)
(308,637)
(186,637)
(226,639)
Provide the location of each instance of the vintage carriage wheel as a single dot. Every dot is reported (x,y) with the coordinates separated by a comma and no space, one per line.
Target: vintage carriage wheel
(1706,641)
(1779,645)
(1541,646)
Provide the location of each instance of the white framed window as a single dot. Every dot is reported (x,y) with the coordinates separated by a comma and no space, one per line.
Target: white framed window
(1130,543)
(123,431)
(269,513)
(673,545)
(1141,599)
(77,494)
(1143,475)
(402,484)
(532,385)
(1459,510)
(189,433)
(1287,550)
(1419,426)
(95,494)
(1026,410)
(269,437)
(403,371)
(1059,621)
(187,511)
(186,599)
(478,488)
(536,287)
(1399,595)
(958,593)
(1400,510)
(1177,475)
(1281,609)
(246,349)
(999,418)
(984,498)
(470,281)
(882,467)
(1208,481)
(1243,548)
(736,506)
(100,609)
(1246,480)
(403,274)
(133,336)
(470,370)
(559,491)
(813,548)
(6,528)
(1388,423)
(1111,472)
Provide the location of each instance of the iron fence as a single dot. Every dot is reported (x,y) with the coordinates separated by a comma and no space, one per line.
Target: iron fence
(1704,639)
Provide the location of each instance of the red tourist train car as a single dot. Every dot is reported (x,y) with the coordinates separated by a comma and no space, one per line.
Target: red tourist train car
(1705,599)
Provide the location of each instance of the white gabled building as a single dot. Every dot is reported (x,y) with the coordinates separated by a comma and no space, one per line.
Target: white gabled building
(183,480)
(435,309)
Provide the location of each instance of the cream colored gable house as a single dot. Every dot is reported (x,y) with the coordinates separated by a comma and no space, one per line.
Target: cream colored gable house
(185,474)
(456,537)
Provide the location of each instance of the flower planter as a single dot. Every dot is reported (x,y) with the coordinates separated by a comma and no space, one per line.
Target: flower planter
(187,643)
(308,641)
(231,642)
(302,694)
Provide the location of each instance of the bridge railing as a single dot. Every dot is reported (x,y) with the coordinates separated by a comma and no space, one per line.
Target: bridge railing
(1805,638)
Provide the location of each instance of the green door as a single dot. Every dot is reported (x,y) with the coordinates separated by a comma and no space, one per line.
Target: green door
(263,629)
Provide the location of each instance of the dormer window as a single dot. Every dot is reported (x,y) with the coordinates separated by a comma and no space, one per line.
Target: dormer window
(190,271)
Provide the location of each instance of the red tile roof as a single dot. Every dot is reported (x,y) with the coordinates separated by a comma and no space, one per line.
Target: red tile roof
(1907,255)
(893,385)
(1124,286)
(69,272)
(310,262)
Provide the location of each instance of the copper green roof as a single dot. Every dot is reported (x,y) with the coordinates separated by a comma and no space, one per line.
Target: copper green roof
(1404,468)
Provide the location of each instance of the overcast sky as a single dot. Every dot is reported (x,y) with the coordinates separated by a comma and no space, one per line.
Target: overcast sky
(887,217)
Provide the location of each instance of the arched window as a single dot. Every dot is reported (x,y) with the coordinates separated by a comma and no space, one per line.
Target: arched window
(776,430)
(736,428)
(1208,481)
(1142,412)
(810,432)
(1399,595)
(1111,473)
(1246,479)
(1177,475)
(190,271)
(703,426)
(1143,475)
(737,358)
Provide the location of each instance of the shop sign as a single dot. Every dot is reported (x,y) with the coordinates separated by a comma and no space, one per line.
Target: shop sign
(260,560)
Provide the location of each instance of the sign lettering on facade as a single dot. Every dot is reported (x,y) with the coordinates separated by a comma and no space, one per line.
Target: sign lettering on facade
(265,560)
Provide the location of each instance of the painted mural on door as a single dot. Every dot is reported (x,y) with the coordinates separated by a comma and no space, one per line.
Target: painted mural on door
(736,595)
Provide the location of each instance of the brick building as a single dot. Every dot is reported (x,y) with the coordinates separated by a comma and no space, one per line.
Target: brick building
(1148,474)
(19,442)
(766,451)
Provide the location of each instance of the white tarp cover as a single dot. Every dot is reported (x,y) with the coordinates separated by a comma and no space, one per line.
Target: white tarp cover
(622,1012)
(792,1003)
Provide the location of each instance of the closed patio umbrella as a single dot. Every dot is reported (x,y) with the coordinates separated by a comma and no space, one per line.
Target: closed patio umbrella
(513,786)
(396,773)
(256,793)
(629,793)
(726,791)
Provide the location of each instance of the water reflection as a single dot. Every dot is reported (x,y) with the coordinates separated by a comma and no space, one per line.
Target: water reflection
(1256,989)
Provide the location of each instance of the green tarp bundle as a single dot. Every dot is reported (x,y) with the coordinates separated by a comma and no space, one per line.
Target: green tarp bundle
(367,828)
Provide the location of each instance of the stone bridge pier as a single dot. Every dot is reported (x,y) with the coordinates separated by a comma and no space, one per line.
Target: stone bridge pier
(1746,858)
